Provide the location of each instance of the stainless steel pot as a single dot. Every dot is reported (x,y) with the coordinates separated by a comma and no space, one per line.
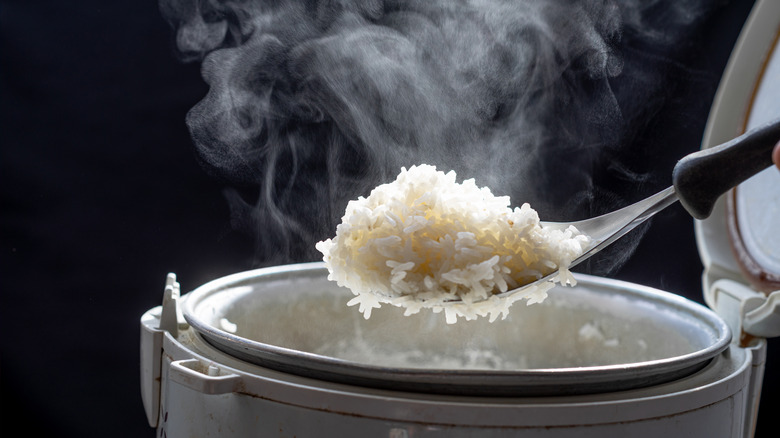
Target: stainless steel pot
(601,336)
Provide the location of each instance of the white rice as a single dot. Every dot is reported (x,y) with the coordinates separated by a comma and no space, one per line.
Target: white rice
(424,240)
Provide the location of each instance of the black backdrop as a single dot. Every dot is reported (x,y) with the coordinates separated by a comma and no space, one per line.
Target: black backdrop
(101,195)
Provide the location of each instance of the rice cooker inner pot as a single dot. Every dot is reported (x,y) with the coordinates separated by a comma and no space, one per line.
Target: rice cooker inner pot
(600,336)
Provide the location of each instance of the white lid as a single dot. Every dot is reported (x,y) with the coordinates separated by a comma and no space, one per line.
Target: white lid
(749,95)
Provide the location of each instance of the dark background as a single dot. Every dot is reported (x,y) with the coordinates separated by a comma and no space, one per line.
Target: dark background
(101,195)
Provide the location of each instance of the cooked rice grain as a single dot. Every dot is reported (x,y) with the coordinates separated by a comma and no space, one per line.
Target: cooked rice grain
(424,240)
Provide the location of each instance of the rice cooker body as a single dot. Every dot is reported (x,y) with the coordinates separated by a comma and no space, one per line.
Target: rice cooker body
(201,390)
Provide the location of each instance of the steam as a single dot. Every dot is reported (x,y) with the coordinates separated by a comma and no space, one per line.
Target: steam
(313,103)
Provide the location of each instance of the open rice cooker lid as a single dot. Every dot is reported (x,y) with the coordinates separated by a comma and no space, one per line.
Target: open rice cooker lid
(739,243)
(601,336)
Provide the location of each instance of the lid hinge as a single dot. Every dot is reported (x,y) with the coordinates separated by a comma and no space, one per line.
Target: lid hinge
(764,321)
(745,310)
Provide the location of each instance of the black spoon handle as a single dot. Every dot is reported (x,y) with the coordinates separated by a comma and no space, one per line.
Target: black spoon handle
(701,177)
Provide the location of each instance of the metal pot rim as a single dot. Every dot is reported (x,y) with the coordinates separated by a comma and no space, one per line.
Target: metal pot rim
(524,382)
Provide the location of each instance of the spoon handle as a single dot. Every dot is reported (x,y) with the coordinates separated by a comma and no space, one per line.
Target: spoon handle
(701,177)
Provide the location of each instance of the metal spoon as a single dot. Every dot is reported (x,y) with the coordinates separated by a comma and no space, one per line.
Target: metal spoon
(699,179)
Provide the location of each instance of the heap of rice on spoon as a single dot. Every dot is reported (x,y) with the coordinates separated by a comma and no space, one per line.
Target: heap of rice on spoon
(425,241)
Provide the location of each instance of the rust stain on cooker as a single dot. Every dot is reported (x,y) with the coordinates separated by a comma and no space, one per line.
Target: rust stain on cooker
(760,279)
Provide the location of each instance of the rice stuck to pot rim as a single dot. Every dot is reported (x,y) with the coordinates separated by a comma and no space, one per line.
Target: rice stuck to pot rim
(424,240)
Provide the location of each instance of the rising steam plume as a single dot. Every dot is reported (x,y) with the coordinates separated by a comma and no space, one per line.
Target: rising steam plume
(313,103)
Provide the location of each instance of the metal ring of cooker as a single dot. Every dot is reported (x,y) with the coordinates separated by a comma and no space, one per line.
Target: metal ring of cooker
(515,383)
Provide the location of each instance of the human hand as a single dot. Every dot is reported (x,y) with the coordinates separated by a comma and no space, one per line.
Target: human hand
(776,155)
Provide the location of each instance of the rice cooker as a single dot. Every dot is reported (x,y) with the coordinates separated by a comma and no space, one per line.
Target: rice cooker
(276,351)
